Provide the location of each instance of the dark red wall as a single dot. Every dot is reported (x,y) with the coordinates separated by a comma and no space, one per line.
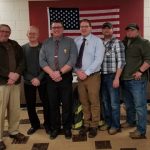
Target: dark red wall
(130,11)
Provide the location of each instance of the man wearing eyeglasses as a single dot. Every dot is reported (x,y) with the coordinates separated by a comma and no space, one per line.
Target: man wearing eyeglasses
(90,57)
(57,58)
(11,67)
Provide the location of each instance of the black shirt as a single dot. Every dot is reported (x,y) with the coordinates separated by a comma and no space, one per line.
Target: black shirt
(32,67)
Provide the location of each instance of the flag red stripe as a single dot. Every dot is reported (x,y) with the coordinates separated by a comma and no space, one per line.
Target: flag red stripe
(78,33)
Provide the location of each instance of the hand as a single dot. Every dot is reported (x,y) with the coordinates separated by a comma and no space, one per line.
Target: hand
(81,74)
(35,82)
(10,82)
(54,75)
(58,79)
(116,83)
(13,76)
(137,75)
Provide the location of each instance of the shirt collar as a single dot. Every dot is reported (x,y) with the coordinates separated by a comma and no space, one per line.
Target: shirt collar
(87,37)
(58,39)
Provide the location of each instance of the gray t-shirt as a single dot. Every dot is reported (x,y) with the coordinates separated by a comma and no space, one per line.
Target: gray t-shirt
(32,66)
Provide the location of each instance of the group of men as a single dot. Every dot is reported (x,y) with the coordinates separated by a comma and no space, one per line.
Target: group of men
(101,66)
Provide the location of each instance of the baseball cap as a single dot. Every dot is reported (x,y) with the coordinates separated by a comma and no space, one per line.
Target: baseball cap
(132,26)
(108,25)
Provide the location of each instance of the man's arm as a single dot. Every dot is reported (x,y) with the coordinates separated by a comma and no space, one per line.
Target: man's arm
(120,59)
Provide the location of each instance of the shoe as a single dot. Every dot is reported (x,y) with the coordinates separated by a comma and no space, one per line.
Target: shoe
(127,125)
(32,130)
(18,136)
(113,131)
(2,145)
(136,135)
(104,127)
(68,134)
(54,134)
(84,130)
(92,132)
(101,123)
(47,129)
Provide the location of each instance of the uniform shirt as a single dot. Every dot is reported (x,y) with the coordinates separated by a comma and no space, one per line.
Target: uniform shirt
(67,53)
(114,57)
(93,53)
(32,66)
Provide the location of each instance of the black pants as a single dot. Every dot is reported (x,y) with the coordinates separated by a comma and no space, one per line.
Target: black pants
(30,95)
(60,92)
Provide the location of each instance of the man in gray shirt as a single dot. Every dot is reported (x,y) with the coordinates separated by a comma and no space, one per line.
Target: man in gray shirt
(57,58)
(34,79)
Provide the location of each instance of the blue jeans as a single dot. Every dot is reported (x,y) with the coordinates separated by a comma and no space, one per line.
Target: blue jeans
(110,101)
(134,93)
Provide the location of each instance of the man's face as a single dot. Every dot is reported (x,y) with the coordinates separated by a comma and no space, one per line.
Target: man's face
(107,31)
(33,34)
(57,30)
(85,29)
(4,34)
(132,33)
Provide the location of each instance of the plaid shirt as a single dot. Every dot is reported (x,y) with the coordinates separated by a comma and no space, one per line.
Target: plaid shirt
(114,57)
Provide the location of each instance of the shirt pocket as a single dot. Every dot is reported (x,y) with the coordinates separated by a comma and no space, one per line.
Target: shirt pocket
(65,53)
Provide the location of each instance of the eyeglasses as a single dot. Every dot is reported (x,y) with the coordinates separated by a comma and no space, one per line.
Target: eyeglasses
(84,26)
(57,28)
(2,31)
(32,33)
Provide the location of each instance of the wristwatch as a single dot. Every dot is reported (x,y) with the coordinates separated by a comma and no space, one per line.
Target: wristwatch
(140,71)
(60,72)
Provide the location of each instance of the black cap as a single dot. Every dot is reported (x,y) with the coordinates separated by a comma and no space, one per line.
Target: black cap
(108,25)
(132,26)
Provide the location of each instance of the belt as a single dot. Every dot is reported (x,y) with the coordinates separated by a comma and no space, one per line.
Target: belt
(94,73)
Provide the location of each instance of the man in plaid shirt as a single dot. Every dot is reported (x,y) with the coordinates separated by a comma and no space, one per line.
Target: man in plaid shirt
(113,63)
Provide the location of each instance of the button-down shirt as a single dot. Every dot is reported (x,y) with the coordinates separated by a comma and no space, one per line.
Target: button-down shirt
(137,52)
(93,53)
(114,57)
(67,53)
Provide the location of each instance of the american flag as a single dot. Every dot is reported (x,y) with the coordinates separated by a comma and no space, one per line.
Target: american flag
(71,16)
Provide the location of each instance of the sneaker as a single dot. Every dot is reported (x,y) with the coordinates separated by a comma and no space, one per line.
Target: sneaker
(54,134)
(137,135)
(18,136)
(2,145)
(104,127)
(92,132)
(127,125)
(101,123)
(84,130)
(68,134)
(113,131)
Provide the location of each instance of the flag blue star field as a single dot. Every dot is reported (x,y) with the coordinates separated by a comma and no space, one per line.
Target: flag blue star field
(71,17)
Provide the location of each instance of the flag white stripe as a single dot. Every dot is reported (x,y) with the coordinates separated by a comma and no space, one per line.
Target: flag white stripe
(101,17)
(82,12)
